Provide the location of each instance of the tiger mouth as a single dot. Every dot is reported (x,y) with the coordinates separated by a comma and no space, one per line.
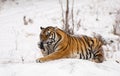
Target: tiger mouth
(41,46)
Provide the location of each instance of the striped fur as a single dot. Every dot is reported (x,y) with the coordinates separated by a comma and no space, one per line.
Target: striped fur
(56,44)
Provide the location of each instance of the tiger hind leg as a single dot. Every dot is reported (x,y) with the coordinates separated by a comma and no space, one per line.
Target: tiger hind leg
(99,57)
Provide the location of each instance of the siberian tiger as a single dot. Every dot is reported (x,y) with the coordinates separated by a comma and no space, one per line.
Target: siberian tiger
(57,44)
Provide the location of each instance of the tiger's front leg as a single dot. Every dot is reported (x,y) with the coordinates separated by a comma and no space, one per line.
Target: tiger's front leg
(53,56)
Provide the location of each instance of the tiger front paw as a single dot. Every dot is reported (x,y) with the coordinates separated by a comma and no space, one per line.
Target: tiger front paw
(40,60)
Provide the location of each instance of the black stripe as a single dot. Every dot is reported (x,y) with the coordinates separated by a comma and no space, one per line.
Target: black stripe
(79,44)
(57,41)
(85,47)
(90,53)
(83,40)
(88,46)
(87,40)
(92,42)
(87,54)
(54,37)
(97,52)
(80,56)
(48,50)
(92,45)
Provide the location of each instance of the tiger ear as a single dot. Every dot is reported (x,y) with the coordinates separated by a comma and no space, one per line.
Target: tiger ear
(41,28)
(56,28)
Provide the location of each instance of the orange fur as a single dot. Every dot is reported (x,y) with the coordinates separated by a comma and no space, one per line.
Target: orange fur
(61,45)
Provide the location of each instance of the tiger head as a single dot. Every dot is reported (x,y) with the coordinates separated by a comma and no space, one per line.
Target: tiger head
(48,39)
(47,35)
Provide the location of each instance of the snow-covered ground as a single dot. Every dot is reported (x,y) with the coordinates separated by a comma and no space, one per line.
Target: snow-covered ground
(18,42)
(66,67)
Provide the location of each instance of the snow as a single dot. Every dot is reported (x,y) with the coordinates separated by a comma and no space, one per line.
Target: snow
(66,67)
(18,42)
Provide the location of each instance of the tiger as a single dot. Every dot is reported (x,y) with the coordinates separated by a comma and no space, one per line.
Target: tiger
(57,44)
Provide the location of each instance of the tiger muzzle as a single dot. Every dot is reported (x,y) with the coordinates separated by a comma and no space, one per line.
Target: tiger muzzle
(41,45)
